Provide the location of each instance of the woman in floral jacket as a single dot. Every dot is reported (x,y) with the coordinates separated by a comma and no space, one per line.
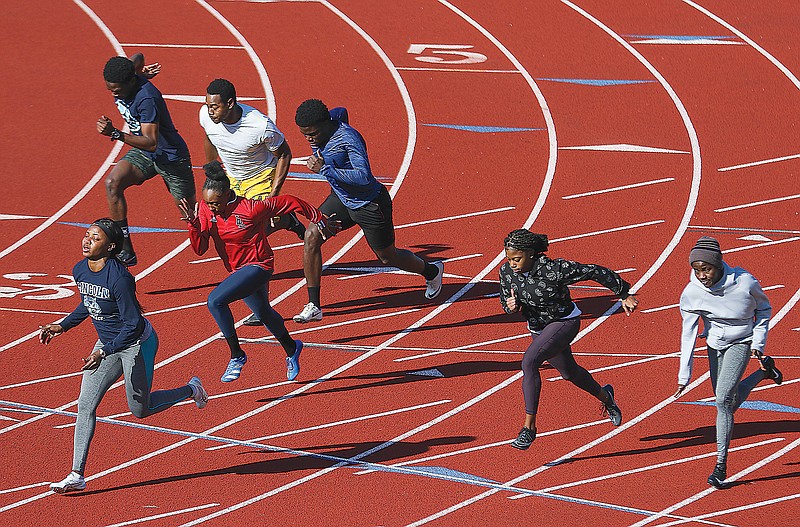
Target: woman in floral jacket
(536,286)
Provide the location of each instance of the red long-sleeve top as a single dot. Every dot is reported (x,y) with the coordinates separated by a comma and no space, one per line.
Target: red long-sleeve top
(238,230)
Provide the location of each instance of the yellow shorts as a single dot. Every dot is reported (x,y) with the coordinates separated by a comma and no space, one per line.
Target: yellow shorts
(256,187)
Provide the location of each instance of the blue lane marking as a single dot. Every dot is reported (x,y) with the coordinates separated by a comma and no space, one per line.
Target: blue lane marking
(483,129)
(755,405)
(319,177)
(355,463)
(444,471)
(599,82)
(306,175)
(684,37)
(130,229)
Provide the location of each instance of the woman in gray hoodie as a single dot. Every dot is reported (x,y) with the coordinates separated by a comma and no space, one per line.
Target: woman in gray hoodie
(735,313)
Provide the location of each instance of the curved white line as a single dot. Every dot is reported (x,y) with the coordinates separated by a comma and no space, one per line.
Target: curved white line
(692,201)
(262,72)
(412,117)
(789,75)
(100,171)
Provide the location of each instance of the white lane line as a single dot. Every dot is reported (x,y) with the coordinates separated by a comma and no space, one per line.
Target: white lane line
(37,381)
(734,509)
(17,310)
(341,422)
(757,203)
(100,171)
(164,515)
(651,467)
(256,60)
(339,324)
(375,270)
(184,46)
(461,451)
(670,306)
(456,217)
(702,494)
(789,75)
(25,487)
(462,348)
(622,147)
(765,244)
(744,229)
(210,398)
(607,231)
(458,70)
(758,163)
(622,187)
(176,308)
(625,364)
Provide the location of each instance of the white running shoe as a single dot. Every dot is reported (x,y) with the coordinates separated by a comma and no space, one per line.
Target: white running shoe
(434,287)
(309,313)
(199,393)
(71,483)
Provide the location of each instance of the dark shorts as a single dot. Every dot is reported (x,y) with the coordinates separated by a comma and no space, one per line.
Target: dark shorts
(177,175)
(374,218)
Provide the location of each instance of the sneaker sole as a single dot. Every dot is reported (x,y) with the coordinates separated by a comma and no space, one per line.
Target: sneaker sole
(301,320)
(67,489)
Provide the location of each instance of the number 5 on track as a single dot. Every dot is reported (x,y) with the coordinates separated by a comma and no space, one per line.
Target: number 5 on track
(454,50)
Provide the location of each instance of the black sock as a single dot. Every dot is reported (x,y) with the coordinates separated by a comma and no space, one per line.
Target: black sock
(126,241)
(236,349)
(313,295)
(288,344)
(430,272)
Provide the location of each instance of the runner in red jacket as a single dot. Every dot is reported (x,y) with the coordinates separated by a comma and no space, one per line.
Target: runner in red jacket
(237,227)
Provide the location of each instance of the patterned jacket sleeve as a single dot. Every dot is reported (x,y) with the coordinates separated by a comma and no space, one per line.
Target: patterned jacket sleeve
(505,287)
(572,272)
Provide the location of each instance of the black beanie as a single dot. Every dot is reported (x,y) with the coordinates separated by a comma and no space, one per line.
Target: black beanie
(706,250)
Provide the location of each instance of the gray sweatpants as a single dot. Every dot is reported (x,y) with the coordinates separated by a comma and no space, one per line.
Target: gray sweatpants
(136,363)
(726,368)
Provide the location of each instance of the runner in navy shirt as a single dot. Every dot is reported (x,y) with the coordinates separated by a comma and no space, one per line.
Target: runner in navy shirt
(157,146)
(356,198)
(127,344)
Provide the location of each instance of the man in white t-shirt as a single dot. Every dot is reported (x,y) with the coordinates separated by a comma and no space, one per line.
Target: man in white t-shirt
(253,150)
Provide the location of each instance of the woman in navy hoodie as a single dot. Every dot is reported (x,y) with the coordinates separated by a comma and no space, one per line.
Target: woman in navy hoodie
(735,313)
(126,344)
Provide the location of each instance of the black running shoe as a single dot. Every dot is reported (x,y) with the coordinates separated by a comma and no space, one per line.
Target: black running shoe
(127,258)
(610,408)
(524,439)
(296,226)
(770,371)
(717,478)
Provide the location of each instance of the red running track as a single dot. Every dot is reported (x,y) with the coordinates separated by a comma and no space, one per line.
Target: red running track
(438,441)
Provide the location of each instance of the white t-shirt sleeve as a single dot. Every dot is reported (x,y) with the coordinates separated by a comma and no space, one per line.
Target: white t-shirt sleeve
(271,137)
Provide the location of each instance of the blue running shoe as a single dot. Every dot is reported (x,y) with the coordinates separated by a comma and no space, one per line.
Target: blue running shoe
(234,369)
(293,362)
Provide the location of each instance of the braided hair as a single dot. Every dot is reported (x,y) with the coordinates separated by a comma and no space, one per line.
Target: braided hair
(216,178)
(525,240)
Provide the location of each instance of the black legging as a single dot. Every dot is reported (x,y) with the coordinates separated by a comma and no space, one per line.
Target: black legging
(552,345)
